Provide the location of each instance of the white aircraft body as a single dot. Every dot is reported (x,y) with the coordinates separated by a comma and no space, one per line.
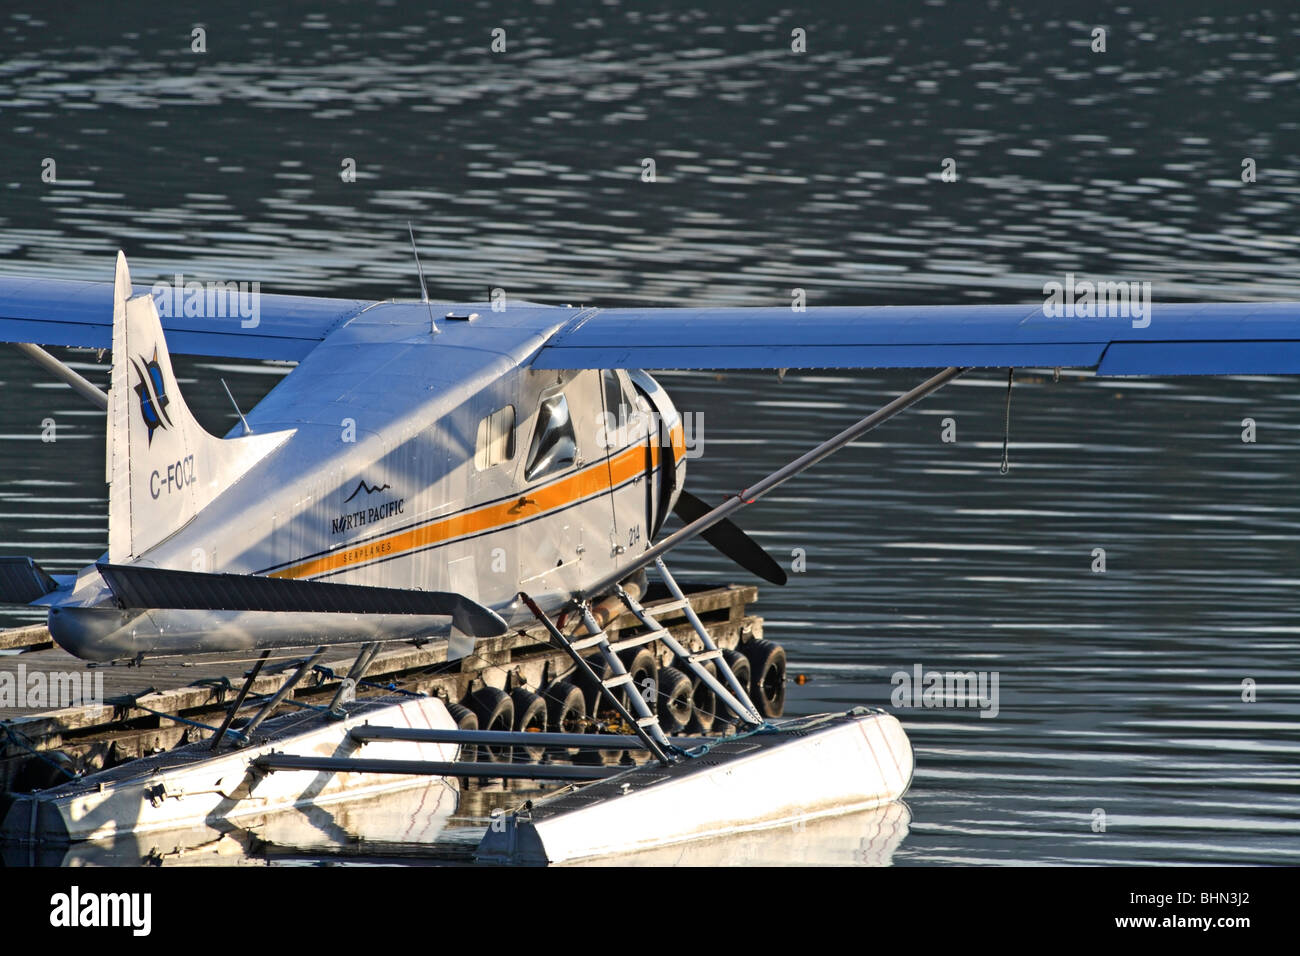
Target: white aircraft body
(422,466)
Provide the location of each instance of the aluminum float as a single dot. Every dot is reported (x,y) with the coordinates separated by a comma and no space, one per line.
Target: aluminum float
(194,785)
(802,769)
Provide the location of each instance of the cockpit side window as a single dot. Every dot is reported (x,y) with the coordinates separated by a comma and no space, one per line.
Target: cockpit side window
(626,419)
(614,396)
(554,446)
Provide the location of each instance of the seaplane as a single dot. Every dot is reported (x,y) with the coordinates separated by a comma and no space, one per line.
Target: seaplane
(451,471)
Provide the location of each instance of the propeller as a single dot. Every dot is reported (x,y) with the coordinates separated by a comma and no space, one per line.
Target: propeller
(730,540)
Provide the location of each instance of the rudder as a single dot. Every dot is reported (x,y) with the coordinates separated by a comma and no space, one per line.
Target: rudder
(162,466)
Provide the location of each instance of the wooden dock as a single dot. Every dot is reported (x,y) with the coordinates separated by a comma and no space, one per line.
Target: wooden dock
(167,701)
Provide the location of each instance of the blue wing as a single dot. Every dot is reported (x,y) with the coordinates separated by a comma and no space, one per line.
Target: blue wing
(68,312)
(1173,339)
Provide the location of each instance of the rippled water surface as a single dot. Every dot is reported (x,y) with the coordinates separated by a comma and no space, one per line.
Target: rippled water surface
(1119,692)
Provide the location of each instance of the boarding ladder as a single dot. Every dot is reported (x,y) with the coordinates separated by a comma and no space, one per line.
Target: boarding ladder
(642,718)
(733,695)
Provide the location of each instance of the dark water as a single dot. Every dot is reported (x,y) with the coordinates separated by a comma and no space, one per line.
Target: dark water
(1119,691)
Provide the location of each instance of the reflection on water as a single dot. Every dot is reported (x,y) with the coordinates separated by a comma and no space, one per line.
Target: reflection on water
(398,820)
(421,824)
(865,838)
(1121,692)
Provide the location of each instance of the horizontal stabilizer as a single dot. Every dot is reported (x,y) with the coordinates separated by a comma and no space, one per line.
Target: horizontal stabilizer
(136,586)
(22,581)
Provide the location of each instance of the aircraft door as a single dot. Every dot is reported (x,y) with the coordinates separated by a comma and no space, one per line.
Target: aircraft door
(547,513)
(630,452)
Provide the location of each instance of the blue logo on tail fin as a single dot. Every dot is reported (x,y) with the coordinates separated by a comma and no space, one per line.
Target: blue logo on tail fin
(152,393)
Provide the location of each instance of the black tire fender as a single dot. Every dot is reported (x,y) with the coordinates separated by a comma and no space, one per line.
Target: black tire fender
(643,666)
(674,706)
(767,676)
(566,707)
(495,711)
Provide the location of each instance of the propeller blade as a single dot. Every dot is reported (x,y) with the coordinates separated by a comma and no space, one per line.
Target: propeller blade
(730,540)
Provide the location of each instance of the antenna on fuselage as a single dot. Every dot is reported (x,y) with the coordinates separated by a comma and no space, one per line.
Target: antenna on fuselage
(242,420)
(424,292)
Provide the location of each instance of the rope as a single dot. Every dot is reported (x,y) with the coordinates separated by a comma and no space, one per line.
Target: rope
(392,687)
(20,741)
(124,701)
(185,720)
(132,701)
(296,703)
(328,673)
(221,684)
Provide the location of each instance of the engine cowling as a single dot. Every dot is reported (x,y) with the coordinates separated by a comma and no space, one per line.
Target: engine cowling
(670,463)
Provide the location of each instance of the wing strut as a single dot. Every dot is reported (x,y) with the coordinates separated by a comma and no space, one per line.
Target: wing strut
(779,477)
(78,383)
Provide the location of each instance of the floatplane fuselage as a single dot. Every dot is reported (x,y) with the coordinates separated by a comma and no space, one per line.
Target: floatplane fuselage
(402,453)
(412,476)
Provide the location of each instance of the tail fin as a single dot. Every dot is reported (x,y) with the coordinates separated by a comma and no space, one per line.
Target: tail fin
(162,467)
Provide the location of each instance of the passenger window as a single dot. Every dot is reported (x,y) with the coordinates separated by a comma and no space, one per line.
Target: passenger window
(554,446)
(496,439)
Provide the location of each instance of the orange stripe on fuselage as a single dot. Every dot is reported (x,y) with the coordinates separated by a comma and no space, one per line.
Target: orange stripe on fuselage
(592,480)
(677,436)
